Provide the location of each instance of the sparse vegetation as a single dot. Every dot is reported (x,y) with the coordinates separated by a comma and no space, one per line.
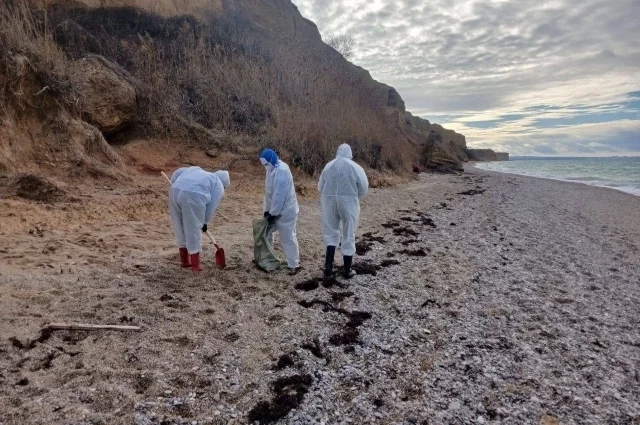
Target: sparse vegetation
(343,43)
(215,76)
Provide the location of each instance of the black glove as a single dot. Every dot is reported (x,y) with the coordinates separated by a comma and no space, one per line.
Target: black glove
(204,228)
(266,214)
(271,218)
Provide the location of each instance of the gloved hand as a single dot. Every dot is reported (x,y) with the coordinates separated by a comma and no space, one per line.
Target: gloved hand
(272,218)
(266,214)
(204,228)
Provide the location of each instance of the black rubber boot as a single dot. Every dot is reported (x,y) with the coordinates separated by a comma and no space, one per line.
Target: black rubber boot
(328,261)
(348,273)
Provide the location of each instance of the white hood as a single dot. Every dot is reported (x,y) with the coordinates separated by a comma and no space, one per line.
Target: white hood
(344,151)
(224,178)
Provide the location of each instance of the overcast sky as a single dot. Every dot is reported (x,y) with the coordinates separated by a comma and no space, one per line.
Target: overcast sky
(557,77)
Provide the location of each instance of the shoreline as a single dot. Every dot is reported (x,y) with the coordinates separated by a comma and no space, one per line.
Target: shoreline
(487,294)
(633,191)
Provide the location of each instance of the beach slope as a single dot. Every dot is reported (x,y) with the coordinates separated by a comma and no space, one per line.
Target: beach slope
(481,298)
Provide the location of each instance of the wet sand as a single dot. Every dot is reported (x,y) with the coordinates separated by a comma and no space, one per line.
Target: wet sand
(492,298)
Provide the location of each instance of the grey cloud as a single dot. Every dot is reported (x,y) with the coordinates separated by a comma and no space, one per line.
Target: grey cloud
(471,56)
(544,149)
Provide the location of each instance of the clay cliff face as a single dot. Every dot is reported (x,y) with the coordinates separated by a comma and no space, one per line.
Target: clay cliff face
(295,42)
(303,90)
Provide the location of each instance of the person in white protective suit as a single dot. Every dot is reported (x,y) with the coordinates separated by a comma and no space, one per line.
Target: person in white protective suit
(281,206)
(342,184)
(194,196)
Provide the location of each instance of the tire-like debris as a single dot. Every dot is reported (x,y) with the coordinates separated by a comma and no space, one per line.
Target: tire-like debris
(289,393)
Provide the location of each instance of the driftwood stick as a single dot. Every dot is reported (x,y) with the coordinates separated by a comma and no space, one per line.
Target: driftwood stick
(87,327)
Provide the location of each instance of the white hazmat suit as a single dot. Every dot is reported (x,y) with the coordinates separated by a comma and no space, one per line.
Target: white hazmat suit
(194,196)
(342,184)
(280,200)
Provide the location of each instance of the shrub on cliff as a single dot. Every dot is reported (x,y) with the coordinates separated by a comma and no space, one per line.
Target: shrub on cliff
(194,77)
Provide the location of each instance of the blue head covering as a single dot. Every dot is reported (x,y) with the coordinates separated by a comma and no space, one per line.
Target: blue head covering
(270,156)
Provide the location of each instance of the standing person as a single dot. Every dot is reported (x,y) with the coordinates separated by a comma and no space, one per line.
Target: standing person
(281,206)
(194,196)
(342,184)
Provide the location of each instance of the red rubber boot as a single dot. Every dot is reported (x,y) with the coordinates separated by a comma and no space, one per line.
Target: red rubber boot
(195,262)
(184,258)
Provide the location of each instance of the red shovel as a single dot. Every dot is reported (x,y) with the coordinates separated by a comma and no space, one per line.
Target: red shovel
(221,259)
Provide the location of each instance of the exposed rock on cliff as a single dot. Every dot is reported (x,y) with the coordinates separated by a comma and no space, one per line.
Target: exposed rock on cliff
(106,92)
(441,148)
(487,155)
(37,134)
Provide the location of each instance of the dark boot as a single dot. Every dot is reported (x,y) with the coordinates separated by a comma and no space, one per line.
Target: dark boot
(184,258)
(195,262)
(348,273)
(328,261)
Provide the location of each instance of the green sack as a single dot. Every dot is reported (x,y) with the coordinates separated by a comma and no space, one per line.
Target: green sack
(263,254)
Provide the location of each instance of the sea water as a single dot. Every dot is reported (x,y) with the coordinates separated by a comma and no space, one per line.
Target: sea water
(621,173)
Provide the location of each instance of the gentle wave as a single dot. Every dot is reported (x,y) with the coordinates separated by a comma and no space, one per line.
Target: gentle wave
(621,174)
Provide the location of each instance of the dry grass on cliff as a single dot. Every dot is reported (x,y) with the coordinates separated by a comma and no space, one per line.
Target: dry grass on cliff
(22,32)
(213,75)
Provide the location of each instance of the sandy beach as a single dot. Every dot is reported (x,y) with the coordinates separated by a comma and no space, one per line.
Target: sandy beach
(489,298)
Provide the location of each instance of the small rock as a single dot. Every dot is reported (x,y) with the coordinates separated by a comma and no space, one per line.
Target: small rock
(412,419)
(480,420)
(454,405)
(549,420)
